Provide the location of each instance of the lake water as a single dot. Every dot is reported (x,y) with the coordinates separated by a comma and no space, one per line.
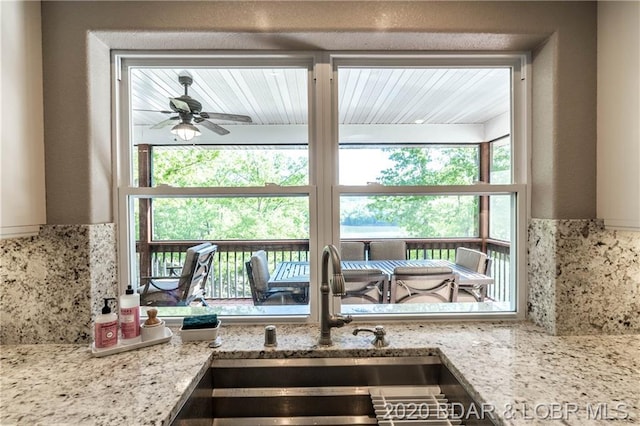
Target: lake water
(369,232)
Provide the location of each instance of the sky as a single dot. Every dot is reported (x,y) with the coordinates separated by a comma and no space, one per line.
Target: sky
(359,166)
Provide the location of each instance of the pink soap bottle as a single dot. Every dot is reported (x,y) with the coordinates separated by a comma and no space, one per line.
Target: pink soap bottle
(106,327)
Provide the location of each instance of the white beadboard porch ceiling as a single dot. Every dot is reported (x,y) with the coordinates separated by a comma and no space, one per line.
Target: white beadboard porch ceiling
(426,103)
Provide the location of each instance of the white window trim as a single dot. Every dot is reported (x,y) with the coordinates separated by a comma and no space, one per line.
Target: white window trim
(323,190)
(520,142)
(124,172)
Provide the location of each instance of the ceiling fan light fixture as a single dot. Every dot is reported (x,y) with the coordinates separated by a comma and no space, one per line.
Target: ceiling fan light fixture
(185,131)
(185,110)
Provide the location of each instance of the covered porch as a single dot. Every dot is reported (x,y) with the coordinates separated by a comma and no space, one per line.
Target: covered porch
(228,282)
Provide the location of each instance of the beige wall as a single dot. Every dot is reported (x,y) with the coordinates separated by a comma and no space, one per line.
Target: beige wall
(77,37)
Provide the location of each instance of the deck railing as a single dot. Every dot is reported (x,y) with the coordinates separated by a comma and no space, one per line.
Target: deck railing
(229,280)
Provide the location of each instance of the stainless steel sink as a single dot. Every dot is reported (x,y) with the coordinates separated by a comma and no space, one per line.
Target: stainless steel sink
(327,391)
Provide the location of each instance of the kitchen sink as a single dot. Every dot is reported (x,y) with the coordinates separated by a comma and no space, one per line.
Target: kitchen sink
(329,391)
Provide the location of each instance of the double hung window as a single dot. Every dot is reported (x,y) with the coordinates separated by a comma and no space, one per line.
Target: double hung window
(426,149)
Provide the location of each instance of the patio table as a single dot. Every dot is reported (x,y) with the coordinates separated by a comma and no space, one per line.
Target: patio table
(296,274)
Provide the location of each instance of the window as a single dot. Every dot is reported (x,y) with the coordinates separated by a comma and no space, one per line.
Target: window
(242,184)
(422,141)
(425,149)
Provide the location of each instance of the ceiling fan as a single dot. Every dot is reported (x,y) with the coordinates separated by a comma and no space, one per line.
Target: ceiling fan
(189,111)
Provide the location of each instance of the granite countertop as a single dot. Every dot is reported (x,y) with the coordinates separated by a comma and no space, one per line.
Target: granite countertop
(526,375)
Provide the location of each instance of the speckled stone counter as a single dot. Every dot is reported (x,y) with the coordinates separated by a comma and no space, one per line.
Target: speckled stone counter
(525,374)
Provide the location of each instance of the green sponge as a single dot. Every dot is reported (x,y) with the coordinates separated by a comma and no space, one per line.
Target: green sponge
(200,321)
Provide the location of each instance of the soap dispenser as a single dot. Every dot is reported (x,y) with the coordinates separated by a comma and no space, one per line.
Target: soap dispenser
(130,316)
(106,326)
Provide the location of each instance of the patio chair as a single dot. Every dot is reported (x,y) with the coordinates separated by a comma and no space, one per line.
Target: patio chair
(476,261)
(388,250)
(365,286)
(428,284)
(258,273)
(471,259)
(352,250)
(185,288)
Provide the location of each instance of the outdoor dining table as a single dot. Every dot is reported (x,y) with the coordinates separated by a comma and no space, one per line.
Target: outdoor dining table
(296,274)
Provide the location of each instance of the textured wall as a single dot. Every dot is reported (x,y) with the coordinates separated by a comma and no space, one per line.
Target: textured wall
(583,279)
(77,37)
(51,285)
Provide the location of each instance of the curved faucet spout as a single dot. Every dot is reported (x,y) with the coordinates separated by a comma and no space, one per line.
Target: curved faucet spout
(327,320)
(330,254)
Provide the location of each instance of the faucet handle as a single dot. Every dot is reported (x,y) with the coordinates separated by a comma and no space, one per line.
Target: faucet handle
(343,319)
(379,340)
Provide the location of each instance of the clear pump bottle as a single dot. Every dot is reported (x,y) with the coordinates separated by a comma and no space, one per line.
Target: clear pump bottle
(130,316)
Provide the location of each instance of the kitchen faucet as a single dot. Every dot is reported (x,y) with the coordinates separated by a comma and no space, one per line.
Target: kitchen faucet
(327,320)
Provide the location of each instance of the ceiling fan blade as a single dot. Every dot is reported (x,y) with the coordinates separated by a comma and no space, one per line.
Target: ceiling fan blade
(230,117)
(213,127)
(155,110)
(166,122)
(180,105)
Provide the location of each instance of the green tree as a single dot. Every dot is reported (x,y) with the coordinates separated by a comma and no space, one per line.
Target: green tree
(432,216)
(501,163)
(229,217)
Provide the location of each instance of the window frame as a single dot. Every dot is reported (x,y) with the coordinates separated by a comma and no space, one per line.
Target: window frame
(125,190)
(323,188)
(520,174)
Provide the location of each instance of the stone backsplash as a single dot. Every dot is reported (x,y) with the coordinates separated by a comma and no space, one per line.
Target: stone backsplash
(583,279)
(52,284)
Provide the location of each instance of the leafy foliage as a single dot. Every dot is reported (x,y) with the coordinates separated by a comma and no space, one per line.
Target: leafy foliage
(276,217)
(229,217)
(430,216)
